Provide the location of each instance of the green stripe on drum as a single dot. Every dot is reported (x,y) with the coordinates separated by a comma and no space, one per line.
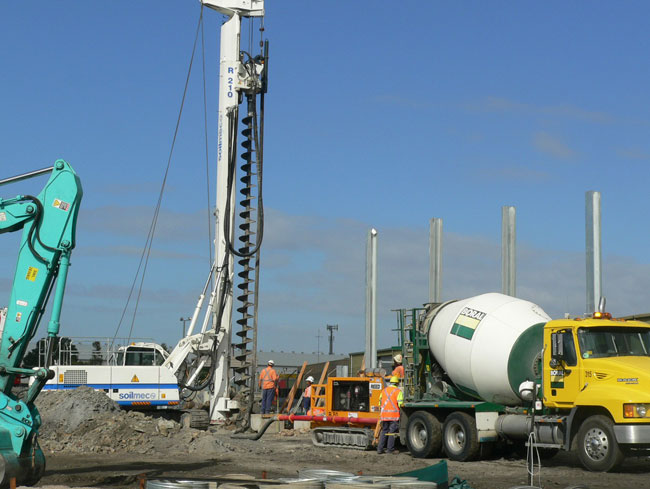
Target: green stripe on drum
(524,361)
(462,331)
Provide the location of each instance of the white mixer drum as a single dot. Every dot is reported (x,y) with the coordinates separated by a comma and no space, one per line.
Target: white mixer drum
(488,344)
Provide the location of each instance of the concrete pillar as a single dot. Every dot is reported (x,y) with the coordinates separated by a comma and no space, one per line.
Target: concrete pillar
(435,259)
(508,250)
(371,300)
(593,251)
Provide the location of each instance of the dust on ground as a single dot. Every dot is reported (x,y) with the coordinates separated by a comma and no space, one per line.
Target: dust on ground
(89,441)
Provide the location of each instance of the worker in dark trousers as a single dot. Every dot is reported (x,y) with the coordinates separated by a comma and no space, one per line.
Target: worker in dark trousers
(390,401)
(269,385)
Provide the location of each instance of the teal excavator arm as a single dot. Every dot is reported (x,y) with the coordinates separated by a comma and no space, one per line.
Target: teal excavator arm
(48,221)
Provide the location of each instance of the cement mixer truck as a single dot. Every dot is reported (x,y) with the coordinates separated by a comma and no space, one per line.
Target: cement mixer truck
(494,369)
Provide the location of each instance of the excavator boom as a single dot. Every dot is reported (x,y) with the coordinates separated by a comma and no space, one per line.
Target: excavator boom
(48,222)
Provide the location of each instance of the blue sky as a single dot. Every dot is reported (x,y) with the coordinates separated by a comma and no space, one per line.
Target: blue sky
(378,115)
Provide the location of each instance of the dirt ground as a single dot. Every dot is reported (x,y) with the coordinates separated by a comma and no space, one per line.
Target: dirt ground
(282,456)
(89,441)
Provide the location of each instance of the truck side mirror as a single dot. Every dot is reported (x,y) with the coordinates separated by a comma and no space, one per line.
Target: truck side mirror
(557,346)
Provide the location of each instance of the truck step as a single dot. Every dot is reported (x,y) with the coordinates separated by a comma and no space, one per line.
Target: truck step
(546,445)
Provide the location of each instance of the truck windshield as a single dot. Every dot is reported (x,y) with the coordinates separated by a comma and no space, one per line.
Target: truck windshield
(614,342)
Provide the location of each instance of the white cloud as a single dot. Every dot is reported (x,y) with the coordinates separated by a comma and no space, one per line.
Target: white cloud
(313,274)
(553,146)
(307,296)
(563,111)
(135,221)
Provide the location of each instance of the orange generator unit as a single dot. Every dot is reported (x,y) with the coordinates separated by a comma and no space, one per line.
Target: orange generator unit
(345,411)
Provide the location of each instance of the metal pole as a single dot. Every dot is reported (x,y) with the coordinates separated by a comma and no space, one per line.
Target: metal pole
(331,328)
(184,321)
(371,299)
(508,250)
(27,175)
(593,250)
(435,259)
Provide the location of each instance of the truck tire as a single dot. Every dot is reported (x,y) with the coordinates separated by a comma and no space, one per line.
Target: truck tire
(460,438)
(598,449)
(423,435)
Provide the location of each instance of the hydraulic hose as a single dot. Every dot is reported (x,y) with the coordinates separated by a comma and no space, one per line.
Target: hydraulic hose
(258,435)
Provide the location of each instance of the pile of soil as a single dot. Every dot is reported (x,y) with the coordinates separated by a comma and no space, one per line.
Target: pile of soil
(87,421)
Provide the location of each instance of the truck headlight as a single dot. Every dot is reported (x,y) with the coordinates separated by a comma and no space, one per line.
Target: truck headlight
(635,410)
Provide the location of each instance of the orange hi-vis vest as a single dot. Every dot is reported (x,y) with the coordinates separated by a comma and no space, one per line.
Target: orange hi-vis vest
(268,378)
(390,403)
(307,392)
(399,371)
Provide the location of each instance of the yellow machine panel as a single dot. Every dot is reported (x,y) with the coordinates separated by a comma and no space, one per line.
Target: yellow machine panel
(348,397)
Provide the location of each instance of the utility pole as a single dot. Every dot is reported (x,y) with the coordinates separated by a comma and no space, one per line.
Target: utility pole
(184,321)
(331,328)
(318,336)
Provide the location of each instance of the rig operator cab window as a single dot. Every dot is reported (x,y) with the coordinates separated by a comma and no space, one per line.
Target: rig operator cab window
(140,356)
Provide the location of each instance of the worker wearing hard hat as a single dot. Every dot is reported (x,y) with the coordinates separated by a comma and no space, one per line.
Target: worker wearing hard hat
(390,401)
(306,397)
(398,369)
(269,384)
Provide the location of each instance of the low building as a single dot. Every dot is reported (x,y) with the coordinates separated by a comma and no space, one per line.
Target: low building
(289,364)
(384,359)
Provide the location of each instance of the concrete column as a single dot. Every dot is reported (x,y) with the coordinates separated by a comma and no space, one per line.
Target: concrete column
(593,250)
(508,250)
(371,300)
(435,259)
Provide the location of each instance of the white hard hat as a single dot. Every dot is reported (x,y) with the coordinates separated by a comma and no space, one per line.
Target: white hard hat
(271,362)
(398,358)
(310,379)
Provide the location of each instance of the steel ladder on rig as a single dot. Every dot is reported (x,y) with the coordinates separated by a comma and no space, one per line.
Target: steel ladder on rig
(413,343)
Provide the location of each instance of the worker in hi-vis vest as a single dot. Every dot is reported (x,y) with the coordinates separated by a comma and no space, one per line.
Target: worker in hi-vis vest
(269,385)
(306,397)
(390,401)
(398,369)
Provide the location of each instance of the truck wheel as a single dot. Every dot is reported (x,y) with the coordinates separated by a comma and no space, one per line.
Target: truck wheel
(460,437)
(423,435)
(598,449)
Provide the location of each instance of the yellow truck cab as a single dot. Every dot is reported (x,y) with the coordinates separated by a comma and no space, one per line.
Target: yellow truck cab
(598,371)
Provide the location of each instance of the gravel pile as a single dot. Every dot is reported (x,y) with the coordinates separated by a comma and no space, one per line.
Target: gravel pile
(86,421)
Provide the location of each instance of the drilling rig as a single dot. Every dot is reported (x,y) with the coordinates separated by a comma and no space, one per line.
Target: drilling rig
(242,75)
